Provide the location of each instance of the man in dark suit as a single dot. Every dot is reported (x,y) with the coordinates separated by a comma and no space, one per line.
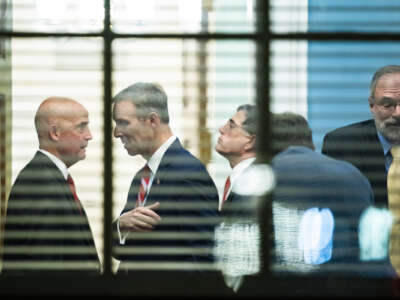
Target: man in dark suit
(169,217)
(46,226)
(237,236)
(237,143)
(367,144)
(317,205)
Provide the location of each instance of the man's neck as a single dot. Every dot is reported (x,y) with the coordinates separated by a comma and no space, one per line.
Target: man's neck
(162,135)
(234,161)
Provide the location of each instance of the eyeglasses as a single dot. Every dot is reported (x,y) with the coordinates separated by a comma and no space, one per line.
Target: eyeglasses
(387,103)
(231,125)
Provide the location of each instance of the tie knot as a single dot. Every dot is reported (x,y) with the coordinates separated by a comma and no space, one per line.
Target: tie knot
(395,150)
(146,171)
(70,180)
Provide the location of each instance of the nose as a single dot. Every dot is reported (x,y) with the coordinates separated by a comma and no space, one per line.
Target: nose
(222,129)
(117,133)
(89,135)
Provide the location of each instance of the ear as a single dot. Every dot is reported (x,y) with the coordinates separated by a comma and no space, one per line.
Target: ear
(371,103)
(154,119)
(251,144)
(54,133)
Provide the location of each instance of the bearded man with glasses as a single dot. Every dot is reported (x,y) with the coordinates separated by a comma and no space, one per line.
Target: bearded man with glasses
(367,144)
(373,146)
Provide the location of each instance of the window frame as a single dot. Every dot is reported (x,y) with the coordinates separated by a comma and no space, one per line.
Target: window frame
(169,283)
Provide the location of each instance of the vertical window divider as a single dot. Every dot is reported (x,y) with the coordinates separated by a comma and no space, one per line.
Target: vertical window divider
(107,151)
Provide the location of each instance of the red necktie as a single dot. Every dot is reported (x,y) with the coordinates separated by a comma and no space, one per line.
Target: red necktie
(144,185)
(73,190)
(227,186)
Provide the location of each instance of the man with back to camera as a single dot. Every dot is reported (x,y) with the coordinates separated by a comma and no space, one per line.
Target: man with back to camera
(368,144)
(43,191)
(310,180)
(171,210)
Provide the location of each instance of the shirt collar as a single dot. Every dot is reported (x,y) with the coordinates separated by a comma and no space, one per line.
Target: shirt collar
(60,165)
(155,160)
(238,169)
(385,144)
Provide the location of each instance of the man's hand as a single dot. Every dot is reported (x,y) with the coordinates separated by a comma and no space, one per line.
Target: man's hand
(140,219)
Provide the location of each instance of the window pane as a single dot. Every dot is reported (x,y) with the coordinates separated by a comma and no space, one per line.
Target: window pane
(335,16)
(205,83)
(43,231)
(354,16)
(58,16)
(180,16)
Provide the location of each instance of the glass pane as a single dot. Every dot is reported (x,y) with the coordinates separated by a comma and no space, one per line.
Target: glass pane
(354,16)
(335,16)
(73,16)
(329,222)
(180,16)
(205,83)
(289,16)
(45,230)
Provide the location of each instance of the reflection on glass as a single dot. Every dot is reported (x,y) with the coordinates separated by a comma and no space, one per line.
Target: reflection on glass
(374,230)
(316,235)
(237,251)
(255,180)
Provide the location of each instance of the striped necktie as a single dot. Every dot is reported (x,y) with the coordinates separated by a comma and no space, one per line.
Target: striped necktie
(144,185)
(393,186)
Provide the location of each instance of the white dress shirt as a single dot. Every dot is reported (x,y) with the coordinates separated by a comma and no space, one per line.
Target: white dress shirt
(155,160)
(236,172)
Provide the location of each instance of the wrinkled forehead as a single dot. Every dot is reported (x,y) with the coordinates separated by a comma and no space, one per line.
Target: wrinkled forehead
(388,86)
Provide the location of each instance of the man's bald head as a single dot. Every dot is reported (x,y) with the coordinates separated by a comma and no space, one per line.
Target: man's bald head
(60,122)
(52,111)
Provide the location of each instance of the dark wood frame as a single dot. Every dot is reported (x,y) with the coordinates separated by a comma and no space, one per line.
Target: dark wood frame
(168,283)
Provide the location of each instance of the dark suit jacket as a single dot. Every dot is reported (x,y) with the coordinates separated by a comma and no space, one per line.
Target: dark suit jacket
(188,208)
(359,144)
(44,227)
(238,208)
(306,179)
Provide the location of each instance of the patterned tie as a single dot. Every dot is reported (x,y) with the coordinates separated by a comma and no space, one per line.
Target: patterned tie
(226,189)
(393,186)
(144,185)
(73,190)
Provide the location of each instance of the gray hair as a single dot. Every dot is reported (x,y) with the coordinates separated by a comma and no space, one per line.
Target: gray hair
(147,97)
(250,124)
(390,69)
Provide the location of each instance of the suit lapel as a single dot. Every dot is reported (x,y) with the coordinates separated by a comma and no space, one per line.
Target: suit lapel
(160,180)
(374,148)
(66,195)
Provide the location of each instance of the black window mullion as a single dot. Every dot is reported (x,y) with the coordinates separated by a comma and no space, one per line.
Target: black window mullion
(107,151)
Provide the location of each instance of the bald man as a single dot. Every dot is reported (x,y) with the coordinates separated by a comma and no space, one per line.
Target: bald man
(46,226)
